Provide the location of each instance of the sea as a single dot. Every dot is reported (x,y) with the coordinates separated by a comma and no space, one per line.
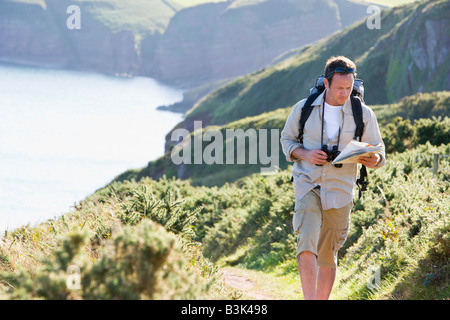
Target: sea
(65,134)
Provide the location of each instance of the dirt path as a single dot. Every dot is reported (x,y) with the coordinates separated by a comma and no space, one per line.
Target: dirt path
(247,286)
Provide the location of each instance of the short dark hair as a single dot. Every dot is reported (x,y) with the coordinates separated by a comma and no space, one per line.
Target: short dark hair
(337,62)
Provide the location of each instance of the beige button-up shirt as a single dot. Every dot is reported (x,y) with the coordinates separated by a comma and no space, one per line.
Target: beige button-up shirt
(337,184)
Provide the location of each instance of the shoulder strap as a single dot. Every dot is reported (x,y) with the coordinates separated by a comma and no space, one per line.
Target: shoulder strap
(357,116)
(306,111)
(356,109)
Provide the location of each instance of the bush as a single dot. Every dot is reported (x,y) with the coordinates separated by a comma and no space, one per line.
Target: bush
(142,262)
(127,244)
(400,135)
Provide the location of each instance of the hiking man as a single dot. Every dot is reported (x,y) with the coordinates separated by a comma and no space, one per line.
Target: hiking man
(323,191)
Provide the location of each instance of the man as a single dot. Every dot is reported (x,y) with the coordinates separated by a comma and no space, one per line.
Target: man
(323,191)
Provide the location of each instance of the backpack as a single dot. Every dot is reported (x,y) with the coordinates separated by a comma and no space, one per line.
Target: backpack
(356,97)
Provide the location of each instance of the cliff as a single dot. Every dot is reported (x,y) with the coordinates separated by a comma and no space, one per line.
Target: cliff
(28,35)
(221,40)
(180,44)
(408,54)
(111,40)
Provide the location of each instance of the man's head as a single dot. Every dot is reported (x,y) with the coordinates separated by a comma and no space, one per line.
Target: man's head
(340,72)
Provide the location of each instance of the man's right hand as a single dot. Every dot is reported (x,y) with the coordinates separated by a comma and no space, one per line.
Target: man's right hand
(315,156)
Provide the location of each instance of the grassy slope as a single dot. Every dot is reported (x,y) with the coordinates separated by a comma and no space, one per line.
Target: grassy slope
(140,16)
(122,250)
(382,63)
(400,226)
(406,112)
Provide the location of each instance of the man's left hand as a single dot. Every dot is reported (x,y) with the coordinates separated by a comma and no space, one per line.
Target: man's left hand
(371,161)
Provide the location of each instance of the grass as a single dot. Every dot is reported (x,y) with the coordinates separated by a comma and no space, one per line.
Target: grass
(400,226)
(151,261)
(253,94)
(399,123)
(243,221)
(139,16)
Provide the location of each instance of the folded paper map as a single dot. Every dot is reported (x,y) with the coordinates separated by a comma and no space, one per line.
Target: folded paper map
(356,149)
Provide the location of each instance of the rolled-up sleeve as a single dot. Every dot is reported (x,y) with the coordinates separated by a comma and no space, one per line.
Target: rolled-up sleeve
(289,135)
(372,135)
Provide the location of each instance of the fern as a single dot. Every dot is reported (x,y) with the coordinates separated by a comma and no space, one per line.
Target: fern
(167,212)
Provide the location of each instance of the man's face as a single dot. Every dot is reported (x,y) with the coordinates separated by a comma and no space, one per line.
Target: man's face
(340,89)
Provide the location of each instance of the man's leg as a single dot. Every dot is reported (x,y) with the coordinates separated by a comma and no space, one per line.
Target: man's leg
(333,234)
(307,222)
(307,268)
(325,282)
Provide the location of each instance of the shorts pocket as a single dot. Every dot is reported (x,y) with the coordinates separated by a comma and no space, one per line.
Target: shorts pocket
(341,234)
(297,220)
(298,216)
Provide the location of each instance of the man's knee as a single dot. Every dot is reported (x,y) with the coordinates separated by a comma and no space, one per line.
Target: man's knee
(306,255)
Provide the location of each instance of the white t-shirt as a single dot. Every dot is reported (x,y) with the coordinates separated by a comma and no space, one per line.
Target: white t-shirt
(332,120)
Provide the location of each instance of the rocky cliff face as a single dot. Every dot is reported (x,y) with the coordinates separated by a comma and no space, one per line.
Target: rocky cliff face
(419,52)
(202,44)
(410,53)
(31,34)
(28,35)
(430,52)
(223,40)
(95,47)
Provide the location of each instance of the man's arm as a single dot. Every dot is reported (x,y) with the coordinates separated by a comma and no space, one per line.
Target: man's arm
(289,135)
(315,156)
(372,136)
(292,148)
(370,162)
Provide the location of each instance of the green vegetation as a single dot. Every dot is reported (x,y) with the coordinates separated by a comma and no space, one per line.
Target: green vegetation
(401,228)
(166,239)
(126,244)
(139,239)
(388,61)
(404,125)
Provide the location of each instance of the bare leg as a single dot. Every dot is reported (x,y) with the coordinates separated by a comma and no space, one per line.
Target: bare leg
(325,282)
(307,268)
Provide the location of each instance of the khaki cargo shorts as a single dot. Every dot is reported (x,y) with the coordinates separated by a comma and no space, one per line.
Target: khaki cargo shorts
(322,232)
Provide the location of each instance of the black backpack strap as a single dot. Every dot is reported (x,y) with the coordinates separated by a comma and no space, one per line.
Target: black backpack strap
(306,111)
(361,181)
(357,116)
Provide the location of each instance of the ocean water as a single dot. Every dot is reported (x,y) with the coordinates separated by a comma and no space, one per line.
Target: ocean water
(65,134)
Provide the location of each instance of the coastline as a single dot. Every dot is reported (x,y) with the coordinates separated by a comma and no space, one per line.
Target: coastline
(56,121)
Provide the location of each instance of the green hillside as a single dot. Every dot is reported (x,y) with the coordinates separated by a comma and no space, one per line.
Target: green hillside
(150,235)
(149,239)
(404,125)
(400,59)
